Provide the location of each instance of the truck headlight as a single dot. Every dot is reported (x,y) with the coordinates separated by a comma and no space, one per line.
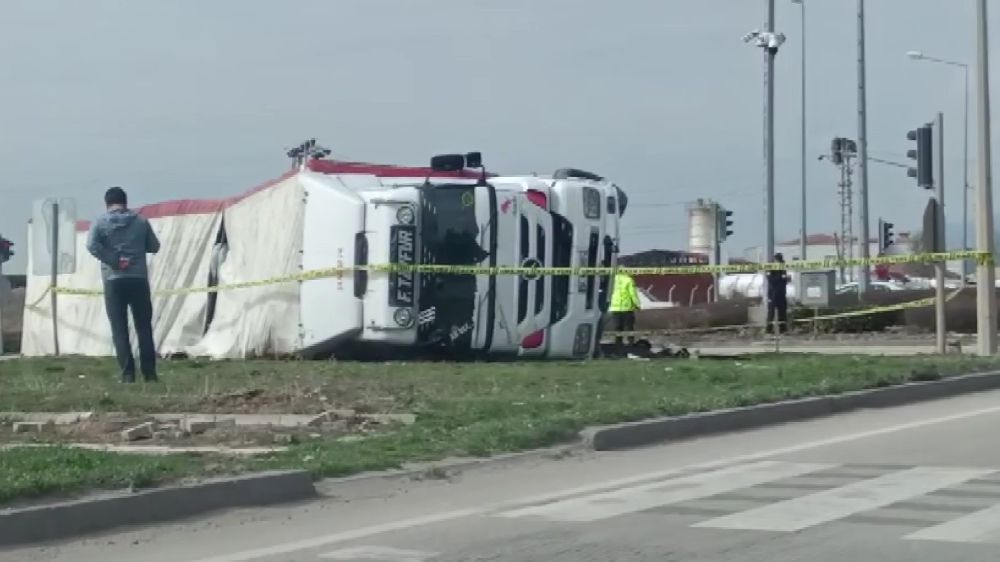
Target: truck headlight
(405,215)
(403,317)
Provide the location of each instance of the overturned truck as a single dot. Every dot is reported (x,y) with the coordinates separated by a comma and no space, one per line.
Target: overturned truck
(289,262)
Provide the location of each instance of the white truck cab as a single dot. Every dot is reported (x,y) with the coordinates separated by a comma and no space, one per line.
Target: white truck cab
(363,216)
(585,210)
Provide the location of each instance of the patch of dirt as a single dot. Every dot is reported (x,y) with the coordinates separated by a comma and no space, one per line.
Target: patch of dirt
(108,429)
(260,401)
(300,400)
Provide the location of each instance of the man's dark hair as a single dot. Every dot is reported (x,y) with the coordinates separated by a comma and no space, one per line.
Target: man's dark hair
(779,257)
(115,196)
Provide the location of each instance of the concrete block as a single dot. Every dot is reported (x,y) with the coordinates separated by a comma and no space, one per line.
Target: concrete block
(757,315)
(197,426)
(405,419)
(141,431)
(319,419)
(331,426)
(284,438)
(30,426)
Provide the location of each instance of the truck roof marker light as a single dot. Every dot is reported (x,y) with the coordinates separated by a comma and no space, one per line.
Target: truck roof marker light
(534,340)
(538,198)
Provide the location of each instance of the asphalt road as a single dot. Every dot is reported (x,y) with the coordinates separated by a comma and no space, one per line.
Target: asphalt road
(912,484)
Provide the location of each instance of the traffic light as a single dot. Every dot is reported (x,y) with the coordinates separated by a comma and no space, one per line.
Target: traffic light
(837,150)
(924,172)
(841,148)
(886,237)
(724,223)
(5,250)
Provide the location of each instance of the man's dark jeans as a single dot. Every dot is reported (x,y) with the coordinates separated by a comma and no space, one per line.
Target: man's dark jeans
(779,306)
(120,295)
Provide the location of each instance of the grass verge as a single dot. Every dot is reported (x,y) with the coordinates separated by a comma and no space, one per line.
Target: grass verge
(462,409)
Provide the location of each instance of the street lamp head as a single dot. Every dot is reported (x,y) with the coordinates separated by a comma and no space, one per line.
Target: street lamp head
(915,55)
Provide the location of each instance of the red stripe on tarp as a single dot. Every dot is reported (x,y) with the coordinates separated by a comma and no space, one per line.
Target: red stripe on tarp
(182,207)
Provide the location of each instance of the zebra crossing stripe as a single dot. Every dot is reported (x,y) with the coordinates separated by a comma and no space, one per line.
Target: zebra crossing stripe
(830,505)
(676,490)
(981,526)
(378,554)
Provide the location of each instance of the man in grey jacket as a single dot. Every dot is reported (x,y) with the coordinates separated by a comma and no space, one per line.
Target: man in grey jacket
(120,240)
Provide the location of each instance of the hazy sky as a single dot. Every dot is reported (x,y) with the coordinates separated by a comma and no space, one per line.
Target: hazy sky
(188,98)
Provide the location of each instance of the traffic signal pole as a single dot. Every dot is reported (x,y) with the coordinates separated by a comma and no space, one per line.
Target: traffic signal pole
(939,267)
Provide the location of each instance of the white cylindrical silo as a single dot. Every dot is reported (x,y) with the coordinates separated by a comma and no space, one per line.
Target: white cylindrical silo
(701,220)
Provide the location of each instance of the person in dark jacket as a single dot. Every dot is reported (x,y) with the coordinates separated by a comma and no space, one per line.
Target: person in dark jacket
(120,240)
(777,296)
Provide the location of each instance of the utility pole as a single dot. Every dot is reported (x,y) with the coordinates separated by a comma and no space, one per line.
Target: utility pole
(769,141)
(986,300)
(803,233)
(770,41)
(862,152)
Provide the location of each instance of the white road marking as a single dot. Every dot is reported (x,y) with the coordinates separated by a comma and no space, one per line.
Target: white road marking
(829,505)
(379,553)
(364,532)
(982,526)
(677,490)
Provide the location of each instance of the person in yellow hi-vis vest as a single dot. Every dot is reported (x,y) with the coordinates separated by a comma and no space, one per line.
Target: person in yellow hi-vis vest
(624,303)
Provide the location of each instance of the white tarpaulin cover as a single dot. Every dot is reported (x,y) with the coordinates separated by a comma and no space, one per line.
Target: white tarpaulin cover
(264,236)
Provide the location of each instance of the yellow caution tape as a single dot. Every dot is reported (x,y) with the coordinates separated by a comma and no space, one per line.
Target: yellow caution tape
(919,303)
(324,273)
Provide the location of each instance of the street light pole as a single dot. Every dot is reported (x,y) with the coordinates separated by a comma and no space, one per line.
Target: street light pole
(986,300)
(770,41)
(917,55)
(862,152)
(803,233)
(769,143)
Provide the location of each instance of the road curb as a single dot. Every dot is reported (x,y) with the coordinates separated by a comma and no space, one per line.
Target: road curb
(647,432)
(448,469)
(78,517)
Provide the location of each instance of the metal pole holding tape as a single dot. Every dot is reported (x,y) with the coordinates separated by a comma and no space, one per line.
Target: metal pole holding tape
(939,267)
(54,276)
(986,296)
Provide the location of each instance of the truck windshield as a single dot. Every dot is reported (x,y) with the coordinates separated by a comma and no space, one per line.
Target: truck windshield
(451,234)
